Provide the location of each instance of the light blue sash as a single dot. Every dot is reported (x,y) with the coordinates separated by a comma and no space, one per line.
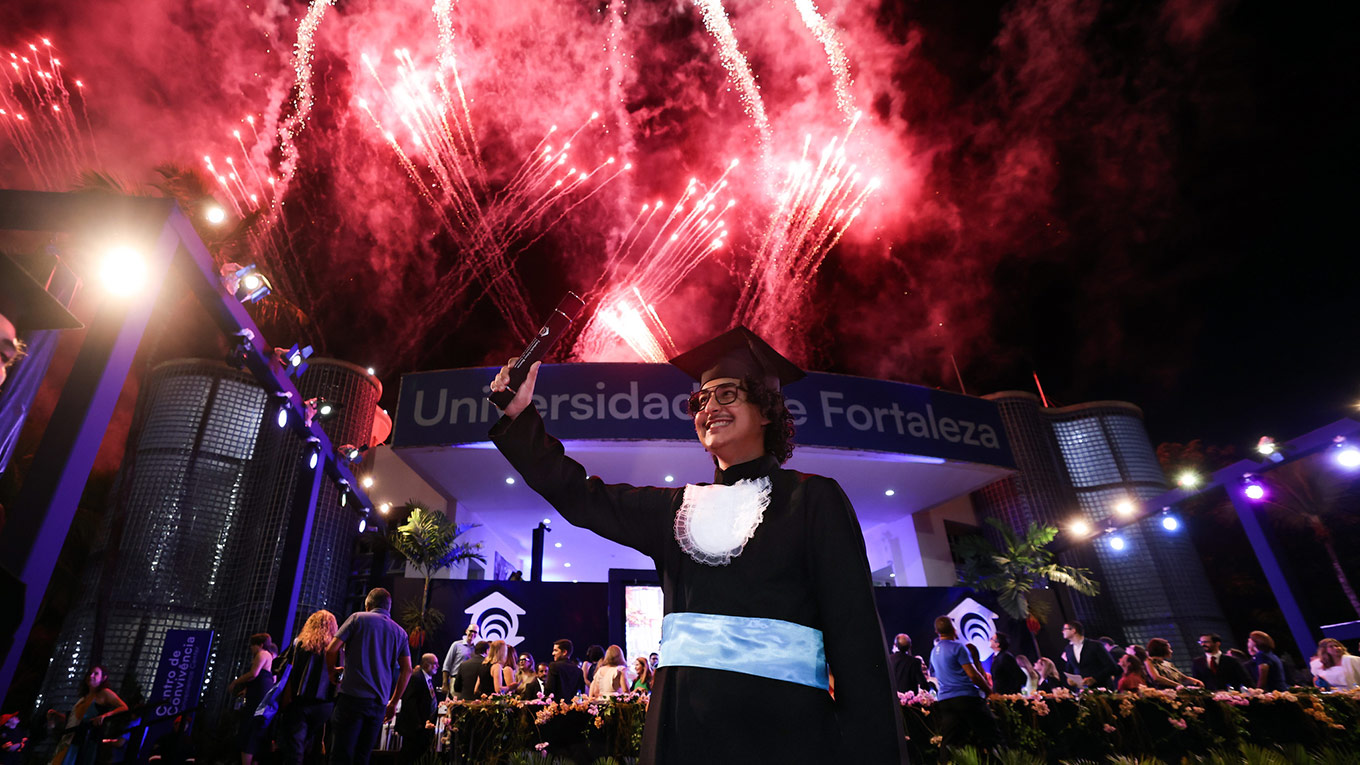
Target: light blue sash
(770,648)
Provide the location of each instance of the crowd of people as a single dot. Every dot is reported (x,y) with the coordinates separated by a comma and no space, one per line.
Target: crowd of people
(476,669)
(954,672)
(352,678)
(339,684)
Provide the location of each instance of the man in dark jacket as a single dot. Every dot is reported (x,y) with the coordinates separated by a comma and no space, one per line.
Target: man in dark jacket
(1007,677)
(1089,659)
(466,682)
(908,675)
(564,677)
(415,721)
(1216,669)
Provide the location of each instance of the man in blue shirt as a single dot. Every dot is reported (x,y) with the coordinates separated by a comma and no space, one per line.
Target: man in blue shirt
(374,646)
(960,709)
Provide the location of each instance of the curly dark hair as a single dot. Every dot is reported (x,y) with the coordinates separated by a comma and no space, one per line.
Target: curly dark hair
(779,433)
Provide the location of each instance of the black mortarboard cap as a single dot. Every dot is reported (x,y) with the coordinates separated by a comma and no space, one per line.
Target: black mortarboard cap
(737,353)
(27,304)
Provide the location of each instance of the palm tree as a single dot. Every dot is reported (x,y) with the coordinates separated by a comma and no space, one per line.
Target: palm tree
(428,541)
(1020,565)
(1308,494)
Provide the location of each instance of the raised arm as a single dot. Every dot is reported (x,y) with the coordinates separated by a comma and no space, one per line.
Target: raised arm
(639,518)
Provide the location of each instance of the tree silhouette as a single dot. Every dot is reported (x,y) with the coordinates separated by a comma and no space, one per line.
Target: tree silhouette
(1307,496)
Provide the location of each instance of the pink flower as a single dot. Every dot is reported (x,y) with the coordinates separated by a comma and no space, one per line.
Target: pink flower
(1109,728)
(1178,723)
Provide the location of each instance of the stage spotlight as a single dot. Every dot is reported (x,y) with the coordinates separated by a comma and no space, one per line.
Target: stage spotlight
(215,214)
(283,416)
(294,360)
(314,457)
(320,409)
(363,525)
(1347,455)
(122,271)
(1117,543)
(1170,523)
(1267,448)
(351,453)
(1125,507)
(1079,528)
(385,508)
(344,497)
(248,284)
(1188,479)
(367,482)
(1253,488)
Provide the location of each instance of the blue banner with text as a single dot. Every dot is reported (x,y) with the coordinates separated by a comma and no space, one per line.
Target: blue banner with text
(647,402)
(179,677)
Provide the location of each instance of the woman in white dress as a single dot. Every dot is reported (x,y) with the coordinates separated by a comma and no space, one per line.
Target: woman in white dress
(1335,666)
(610,676)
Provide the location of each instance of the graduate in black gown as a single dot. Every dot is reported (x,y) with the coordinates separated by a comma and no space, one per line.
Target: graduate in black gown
(764,572)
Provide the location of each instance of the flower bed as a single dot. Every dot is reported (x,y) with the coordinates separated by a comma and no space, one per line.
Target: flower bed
(1160,723)
(491,730)
(1062,725)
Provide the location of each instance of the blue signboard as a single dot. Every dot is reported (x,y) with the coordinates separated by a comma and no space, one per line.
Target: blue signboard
(647,402)
(179,678)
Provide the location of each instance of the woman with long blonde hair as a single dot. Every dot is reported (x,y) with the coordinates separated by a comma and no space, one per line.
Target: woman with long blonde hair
(609,674)
(1335,666)
(502,671)
(310,696)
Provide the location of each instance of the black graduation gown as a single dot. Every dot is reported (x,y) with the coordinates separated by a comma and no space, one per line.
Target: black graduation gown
(805,564)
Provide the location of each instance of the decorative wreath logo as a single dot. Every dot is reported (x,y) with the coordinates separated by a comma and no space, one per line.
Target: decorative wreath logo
(497,618)
(976,624)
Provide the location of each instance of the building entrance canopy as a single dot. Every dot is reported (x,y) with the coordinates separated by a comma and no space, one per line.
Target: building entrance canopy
(895,448)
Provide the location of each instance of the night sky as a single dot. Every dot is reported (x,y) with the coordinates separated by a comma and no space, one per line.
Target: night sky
(1141,201)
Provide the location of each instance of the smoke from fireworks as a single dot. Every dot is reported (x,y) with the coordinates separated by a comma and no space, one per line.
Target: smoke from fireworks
(425,211)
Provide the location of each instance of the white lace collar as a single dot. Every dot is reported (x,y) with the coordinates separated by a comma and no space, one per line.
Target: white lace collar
(715,522)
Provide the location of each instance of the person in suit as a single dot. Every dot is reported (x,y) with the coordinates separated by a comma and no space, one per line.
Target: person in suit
(415,721)
(1088,659)
(1007,677)
(565,679)
(470,674)
(1215,668)
(908,674)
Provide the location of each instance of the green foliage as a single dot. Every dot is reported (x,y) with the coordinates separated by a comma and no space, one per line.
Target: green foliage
(1021,564)
(428,541)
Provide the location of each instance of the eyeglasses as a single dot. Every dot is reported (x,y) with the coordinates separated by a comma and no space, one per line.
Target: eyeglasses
(724,394)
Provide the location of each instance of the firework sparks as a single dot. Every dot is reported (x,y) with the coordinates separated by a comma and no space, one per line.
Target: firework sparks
(442,163)
(302,104)
(38,119)
(689,231)
(835,54)
(738,68)
(815,206)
